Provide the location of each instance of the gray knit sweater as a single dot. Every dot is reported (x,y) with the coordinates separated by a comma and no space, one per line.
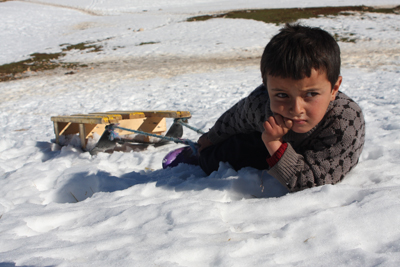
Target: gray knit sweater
(321,156)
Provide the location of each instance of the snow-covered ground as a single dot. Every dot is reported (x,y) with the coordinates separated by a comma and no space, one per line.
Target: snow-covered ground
(130,212)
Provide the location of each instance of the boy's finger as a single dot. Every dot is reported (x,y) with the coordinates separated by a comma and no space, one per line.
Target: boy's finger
(288,123)
(267,125)
(279,120)
(273,122)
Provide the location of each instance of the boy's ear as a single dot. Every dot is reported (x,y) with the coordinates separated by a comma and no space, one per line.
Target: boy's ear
(335,88)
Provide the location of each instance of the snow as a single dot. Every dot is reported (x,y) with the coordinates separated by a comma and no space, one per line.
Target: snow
(60,206)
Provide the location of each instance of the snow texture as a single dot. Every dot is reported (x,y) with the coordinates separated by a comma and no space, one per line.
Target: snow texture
(60,206)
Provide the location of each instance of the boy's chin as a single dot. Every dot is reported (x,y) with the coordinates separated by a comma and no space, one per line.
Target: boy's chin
(301,130)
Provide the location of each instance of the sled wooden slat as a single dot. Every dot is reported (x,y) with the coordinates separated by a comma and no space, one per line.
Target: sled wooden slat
(157,113)
(124,115)
(86,125)
(88,118)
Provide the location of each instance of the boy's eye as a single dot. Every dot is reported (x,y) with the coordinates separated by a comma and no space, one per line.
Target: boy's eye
(281,95)
(312,94)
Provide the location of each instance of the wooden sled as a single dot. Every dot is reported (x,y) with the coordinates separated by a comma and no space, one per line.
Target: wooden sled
(92,126)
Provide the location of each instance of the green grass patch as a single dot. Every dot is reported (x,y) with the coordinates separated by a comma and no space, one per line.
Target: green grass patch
(82,46)
(284,15)
(37,62)
(44,61)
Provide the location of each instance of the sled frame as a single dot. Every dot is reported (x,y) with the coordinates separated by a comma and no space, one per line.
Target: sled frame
(87,125)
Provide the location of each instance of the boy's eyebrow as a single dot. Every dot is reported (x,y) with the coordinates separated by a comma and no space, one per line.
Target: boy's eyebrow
(306,90)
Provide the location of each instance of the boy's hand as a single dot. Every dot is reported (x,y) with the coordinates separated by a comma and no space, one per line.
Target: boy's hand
(274,129)
(204,142)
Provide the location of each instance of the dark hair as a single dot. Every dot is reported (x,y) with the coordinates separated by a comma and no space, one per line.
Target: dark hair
(297,49)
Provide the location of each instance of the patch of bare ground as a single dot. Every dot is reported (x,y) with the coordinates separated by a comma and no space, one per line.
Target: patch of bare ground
(167,66)
(284,15)
(386,58)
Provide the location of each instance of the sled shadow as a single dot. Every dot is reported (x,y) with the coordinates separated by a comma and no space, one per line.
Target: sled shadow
(50,150)
(246,183)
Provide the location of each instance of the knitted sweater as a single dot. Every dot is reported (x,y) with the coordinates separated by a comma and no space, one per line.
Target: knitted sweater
(324,155)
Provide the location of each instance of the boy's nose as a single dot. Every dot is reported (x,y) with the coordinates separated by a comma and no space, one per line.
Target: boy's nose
(297,107)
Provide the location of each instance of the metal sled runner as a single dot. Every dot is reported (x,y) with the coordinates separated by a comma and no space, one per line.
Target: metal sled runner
(136,126)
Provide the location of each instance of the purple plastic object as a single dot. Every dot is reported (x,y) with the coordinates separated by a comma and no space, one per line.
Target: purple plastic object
(180,155)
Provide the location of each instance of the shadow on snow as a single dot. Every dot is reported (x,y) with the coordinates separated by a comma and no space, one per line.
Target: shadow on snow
(246,183)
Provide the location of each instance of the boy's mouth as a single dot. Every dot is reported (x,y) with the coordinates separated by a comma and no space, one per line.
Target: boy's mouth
(299,121)
(295,121)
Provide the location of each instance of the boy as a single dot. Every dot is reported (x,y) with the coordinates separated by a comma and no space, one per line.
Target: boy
(297,125)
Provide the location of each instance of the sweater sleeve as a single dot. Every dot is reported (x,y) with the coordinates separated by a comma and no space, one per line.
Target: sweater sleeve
(327,157)
(277,155)
(245,116)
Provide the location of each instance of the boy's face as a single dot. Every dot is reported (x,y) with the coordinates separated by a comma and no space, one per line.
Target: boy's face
(303,101)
